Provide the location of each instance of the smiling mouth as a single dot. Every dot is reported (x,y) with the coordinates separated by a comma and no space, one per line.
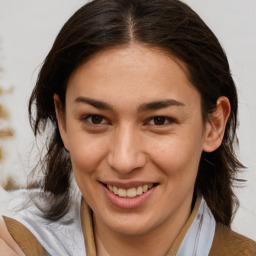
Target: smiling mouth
(131,192)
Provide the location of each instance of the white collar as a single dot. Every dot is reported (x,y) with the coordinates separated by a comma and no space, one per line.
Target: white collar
(199,238)
(66,237)
(63,237)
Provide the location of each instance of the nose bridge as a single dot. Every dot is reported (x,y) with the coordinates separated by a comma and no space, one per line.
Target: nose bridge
(126,149)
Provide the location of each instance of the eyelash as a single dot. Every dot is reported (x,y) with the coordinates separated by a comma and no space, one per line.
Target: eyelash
(88,117)
(167,120)
(164,119)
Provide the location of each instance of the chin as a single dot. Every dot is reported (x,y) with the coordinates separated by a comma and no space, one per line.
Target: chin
(130,224)
(131,229)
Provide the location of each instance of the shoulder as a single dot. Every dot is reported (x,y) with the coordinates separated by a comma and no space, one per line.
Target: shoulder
(25,223)
(228,242)
(8,246)
(17,238)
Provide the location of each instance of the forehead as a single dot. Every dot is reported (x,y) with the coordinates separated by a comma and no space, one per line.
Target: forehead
(131,73)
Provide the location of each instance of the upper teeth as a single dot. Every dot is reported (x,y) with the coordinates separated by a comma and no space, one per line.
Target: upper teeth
(131,192)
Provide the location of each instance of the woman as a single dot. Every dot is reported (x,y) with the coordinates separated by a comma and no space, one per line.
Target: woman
(137,102)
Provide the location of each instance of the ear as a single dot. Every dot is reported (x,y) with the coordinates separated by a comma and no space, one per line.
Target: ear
(216,124)
(60,114)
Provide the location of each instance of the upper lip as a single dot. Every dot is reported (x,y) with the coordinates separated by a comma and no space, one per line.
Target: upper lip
(127,185)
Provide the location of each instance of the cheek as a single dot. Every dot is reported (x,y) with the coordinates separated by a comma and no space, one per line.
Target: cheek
(178,155)
(86,154)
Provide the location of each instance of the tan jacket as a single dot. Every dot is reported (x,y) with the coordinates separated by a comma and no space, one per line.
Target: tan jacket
(22,242)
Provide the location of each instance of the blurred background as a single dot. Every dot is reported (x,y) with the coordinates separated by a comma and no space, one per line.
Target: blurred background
(27,31)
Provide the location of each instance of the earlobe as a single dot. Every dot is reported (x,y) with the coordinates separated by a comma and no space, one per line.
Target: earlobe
(60,114)
(216,124)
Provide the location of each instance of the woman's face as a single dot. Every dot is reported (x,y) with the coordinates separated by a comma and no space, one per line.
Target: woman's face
(134,130)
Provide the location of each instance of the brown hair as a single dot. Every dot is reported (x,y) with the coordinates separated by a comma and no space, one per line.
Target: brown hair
(167,24)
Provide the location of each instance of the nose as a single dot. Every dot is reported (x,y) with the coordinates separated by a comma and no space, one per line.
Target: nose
(126,154)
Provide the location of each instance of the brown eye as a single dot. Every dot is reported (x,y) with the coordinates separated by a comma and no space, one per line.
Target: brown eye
(159,120)
(95,119)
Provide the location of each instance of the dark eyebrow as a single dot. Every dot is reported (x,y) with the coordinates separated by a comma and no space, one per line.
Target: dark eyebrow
(155,105)
(95,103)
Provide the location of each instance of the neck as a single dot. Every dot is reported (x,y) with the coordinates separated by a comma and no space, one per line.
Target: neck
(156,241)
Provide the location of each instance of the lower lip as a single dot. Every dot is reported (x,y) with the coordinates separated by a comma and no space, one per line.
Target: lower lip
(127,203)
